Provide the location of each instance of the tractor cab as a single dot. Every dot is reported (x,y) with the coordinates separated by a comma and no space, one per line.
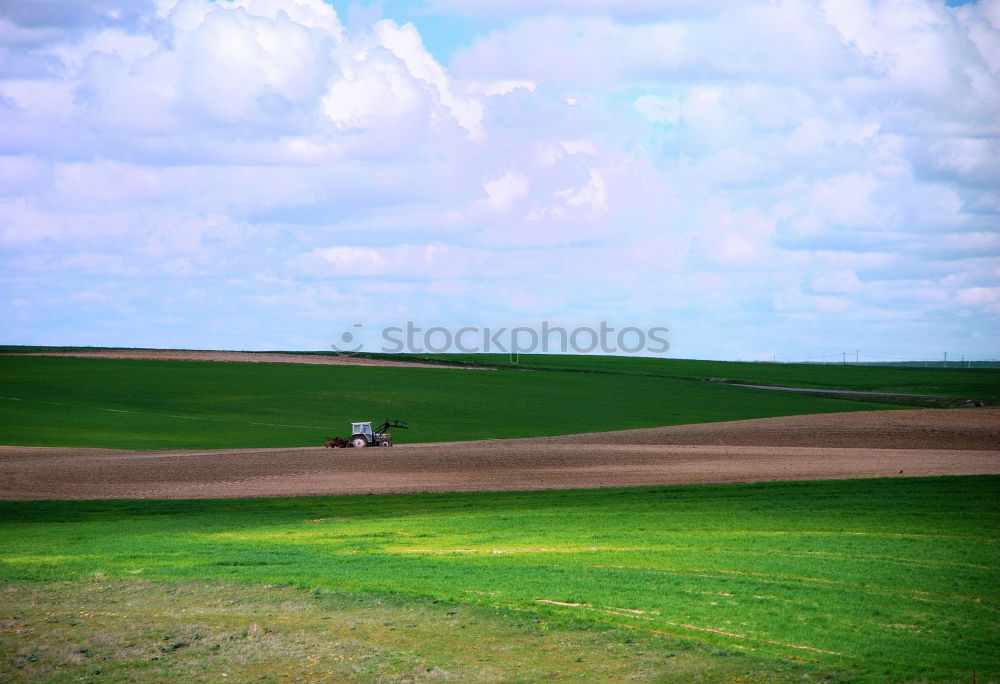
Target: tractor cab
(363,429)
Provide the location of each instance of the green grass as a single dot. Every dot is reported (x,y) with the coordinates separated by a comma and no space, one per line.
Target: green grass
(175,404)
(973,383)
(887,579)
(857,580)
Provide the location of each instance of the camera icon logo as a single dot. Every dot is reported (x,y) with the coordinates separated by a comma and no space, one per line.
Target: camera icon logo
(348,343)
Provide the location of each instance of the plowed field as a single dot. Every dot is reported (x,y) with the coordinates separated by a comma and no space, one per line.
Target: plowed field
(826,446)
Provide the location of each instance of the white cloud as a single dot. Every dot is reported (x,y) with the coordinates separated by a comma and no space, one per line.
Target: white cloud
(986,298)
(50,101)
(500,87)
(405,43)
(845,280)
(593,195)
(796,301)
(832,168)
(22,223)
(587,147)
(504,191)
(846,200)
(637,10)
(370,93)
(356,260)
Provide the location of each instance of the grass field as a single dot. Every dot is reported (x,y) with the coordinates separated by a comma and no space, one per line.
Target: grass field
(877,580)
(867,580)
(175,404)
(977,383)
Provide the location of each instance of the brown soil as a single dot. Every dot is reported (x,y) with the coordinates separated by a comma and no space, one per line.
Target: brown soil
(251,357)
(829,446)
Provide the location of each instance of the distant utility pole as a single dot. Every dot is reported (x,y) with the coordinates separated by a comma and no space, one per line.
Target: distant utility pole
(844,362)
(946,359)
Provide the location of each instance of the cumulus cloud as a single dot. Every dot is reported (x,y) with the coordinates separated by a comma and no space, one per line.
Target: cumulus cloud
(728,169)
(625,10)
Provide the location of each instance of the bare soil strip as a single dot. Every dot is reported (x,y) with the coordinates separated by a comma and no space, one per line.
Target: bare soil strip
(926,400)
(828,446)
(966,428)
(246,357)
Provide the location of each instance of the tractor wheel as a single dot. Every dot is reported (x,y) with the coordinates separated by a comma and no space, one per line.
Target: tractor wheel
(359,441)
(385,443)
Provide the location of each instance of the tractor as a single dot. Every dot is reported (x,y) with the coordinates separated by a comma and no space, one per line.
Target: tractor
(362,434)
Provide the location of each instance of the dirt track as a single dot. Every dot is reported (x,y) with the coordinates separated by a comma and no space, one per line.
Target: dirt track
(829,446)
(244,357)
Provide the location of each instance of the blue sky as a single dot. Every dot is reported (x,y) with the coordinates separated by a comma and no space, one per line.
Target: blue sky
(442,32)
(782,179)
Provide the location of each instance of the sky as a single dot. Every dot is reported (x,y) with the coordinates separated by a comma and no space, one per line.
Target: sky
(765,179)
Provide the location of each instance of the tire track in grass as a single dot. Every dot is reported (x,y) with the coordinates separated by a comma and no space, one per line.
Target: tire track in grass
(913,562)
(910,594)
(639,615)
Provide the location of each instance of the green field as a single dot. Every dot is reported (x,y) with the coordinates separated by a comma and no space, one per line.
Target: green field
(877,580)
(974,383)
(867,580)
(175,404)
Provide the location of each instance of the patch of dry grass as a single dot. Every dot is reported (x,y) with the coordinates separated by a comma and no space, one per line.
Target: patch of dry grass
(135,630)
